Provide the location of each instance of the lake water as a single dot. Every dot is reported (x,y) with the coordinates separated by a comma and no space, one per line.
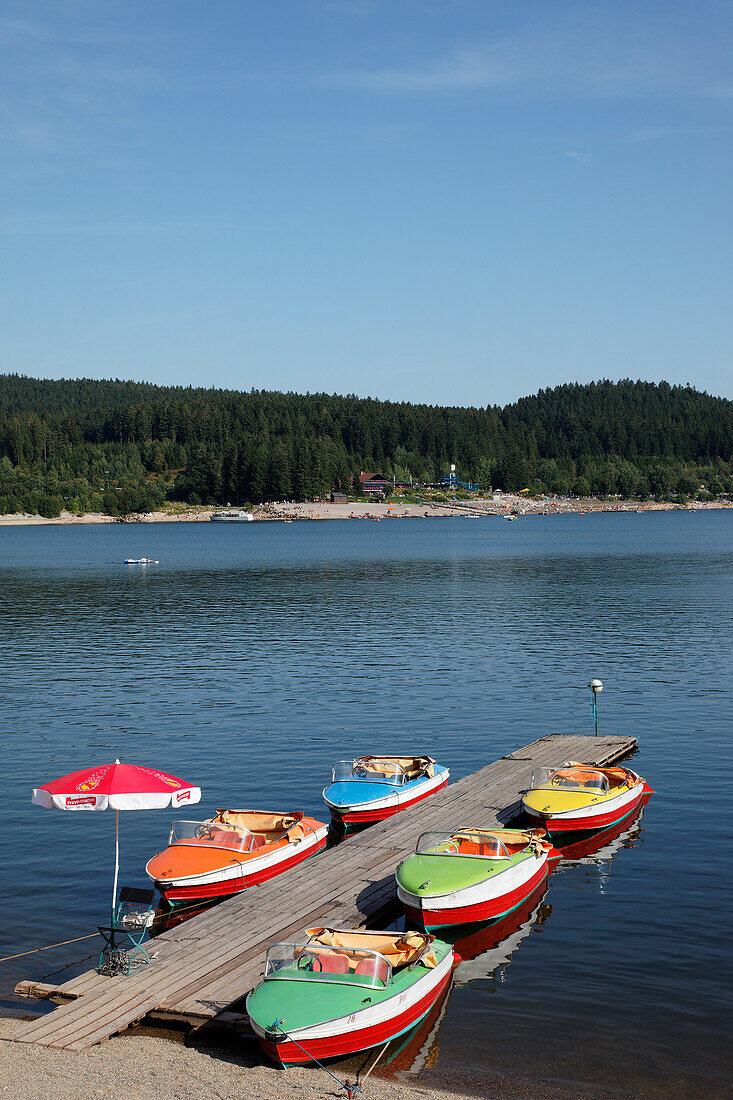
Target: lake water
(254,655)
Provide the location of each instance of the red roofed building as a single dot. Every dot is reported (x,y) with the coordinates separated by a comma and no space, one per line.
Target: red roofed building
(372,483)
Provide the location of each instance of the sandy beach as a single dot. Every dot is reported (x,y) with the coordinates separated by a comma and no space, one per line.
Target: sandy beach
(142,1064)
(380,510)
(483,507)
(149,1067)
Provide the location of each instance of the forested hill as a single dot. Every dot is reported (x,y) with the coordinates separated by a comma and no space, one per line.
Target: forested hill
(124,445)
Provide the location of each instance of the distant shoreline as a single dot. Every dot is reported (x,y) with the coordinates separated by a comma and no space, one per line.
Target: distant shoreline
(379,510)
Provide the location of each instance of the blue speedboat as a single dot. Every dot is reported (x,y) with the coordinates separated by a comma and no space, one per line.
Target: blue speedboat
(372,788)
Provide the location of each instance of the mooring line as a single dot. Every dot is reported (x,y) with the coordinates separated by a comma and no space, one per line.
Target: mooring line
(35,950)
(350,1089)
(376,1059)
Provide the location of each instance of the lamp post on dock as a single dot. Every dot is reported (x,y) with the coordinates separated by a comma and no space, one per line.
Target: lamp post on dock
(596,687)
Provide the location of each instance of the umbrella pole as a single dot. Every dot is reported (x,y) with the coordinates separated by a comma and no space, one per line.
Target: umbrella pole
(117,860)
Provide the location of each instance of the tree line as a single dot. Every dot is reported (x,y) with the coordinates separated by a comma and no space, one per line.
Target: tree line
(119,447)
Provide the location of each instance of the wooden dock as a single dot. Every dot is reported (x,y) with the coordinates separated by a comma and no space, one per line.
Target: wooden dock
(208,963)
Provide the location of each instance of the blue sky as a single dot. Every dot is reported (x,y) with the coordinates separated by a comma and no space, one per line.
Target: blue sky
(451,201)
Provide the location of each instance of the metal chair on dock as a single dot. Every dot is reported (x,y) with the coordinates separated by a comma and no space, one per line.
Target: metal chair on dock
(123,951)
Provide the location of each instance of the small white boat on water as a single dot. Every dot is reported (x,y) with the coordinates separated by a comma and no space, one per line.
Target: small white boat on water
(232,517)
(141,561)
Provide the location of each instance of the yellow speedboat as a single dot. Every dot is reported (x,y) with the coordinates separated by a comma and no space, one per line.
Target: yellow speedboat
(578,797)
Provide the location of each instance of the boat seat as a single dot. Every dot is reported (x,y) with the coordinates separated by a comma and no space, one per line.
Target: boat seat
(219,839)
(378,968)
(468,847)
(330,964)
(398,948)
(230,837)
(272,836)
(371,768)
(489,847)
(383,767)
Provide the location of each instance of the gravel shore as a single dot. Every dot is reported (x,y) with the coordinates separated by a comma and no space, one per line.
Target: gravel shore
(147,1067)
(380,510)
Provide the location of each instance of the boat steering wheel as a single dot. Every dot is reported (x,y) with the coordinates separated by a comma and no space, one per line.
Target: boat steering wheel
(203,832)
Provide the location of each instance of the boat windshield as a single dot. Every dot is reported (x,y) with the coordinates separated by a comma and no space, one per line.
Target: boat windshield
(373,771)
(573,779)
(213,836)
(463,842)
(311,961)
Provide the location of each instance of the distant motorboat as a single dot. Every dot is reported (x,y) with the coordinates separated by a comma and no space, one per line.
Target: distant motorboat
(141,561)
(232,517)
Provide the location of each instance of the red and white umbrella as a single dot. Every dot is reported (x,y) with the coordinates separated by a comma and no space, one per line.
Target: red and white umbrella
(118,787)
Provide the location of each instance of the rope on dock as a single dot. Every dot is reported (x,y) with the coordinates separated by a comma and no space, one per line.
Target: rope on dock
(35,950)
(61,969)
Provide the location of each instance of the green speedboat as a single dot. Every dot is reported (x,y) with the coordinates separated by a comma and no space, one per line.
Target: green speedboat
(472,875)
(339,992)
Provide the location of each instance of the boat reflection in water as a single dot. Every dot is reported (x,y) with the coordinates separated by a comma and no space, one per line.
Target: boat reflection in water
(406,1055)
(486,948)
(418,1049)
(604,844)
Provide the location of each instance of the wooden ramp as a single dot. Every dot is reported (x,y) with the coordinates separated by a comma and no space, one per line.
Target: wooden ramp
(204,965)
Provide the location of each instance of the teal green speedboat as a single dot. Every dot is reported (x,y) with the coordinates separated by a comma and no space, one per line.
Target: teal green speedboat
(342,991)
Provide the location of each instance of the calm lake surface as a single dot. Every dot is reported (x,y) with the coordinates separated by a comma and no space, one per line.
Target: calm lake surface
(254,655)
